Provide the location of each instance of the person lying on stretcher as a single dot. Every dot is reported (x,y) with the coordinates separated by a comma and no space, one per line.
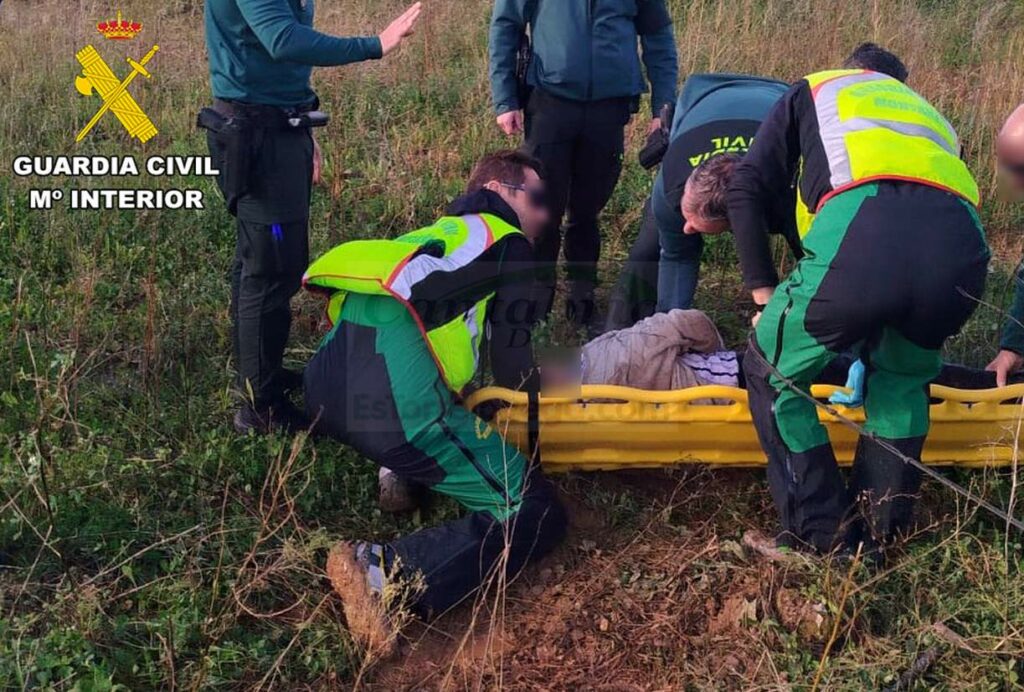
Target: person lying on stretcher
(678,349)
(683,348)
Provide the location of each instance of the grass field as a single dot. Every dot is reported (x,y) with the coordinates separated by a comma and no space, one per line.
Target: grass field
(144,545)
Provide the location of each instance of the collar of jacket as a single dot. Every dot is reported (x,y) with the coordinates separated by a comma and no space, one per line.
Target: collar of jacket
(484,202)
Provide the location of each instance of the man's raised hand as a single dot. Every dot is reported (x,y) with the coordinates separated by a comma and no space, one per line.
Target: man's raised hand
(401,28)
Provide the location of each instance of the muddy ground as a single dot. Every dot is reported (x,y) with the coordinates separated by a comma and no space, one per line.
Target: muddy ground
(667,599)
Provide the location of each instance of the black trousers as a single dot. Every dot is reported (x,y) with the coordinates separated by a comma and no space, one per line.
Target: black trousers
(580,145)
(271,252)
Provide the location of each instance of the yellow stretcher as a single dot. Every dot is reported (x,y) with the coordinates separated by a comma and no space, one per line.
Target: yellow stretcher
(608,427)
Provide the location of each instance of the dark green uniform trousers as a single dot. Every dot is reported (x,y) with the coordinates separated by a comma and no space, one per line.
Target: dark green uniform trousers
(892,269)
(374,385)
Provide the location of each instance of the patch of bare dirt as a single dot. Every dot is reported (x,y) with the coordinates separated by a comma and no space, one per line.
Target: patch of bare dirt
(672,601)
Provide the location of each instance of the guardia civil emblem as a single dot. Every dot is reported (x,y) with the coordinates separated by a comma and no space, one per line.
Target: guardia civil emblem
(98,79)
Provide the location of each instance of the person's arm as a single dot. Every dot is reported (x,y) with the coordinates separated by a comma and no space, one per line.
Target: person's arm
(1013,332)
(767,171)
(508,26)
(511,320)
(1010,358)
(784,223)
(287,39)
(658,46)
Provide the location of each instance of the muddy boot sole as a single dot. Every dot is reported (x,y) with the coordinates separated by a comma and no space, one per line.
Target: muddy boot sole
(364,612)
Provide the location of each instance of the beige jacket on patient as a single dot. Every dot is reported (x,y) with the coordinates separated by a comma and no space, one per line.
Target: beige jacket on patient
(646,356)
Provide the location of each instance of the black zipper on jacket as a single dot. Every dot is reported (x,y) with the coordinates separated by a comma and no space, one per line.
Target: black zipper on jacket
(782,328)
(791,480)
(466,452)
(470,457)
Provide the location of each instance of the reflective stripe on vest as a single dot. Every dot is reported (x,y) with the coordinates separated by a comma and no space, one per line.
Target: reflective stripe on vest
(474,325)
(395,267)
(874,127)
(478,238)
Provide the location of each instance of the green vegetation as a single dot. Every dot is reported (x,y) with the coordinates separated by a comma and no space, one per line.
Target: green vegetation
(144,545)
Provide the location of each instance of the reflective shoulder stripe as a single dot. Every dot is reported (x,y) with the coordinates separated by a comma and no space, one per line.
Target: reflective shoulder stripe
(473,327)
(478,239)
(830,127)
(833,129)
(818,79)
(908,129)
(946,138)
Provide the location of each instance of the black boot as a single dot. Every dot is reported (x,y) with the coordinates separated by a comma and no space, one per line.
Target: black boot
(281,416)
(807,487)
(810,495)
(290,380)
(883,488)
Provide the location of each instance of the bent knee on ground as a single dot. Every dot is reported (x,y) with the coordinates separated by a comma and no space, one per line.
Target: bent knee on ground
(542,515)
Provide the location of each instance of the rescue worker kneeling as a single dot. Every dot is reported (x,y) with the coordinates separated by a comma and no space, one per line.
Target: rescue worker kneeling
(409,317)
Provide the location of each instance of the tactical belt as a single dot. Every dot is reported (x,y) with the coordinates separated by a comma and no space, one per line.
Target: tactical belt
(240,129)
(265,117)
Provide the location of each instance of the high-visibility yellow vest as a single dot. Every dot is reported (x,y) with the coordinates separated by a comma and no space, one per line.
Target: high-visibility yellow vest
(874,127)
(394,267)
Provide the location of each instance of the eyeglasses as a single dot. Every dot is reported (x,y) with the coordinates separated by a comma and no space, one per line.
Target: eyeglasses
(536,195)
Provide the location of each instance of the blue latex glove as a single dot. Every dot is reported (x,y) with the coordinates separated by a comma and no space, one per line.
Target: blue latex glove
(855,383)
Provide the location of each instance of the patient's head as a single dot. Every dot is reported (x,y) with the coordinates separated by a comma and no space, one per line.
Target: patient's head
(561,370)
(704,198)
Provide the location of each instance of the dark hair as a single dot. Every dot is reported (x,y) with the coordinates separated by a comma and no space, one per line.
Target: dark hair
(709,182)
(506,166)
(871,56)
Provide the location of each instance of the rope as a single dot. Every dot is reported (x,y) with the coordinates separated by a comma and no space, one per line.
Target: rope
(916,463)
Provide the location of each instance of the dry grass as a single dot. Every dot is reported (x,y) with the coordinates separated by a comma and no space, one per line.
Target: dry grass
(143,544)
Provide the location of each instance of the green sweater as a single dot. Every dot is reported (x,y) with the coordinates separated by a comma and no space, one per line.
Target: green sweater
(1013,332)
(263,51)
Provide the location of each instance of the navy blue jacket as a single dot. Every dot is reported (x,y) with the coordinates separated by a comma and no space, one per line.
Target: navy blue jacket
(584,50)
